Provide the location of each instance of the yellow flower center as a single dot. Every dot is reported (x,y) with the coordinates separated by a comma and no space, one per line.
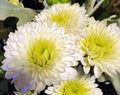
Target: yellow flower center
(63,18)
(74,87)
(98,45)
(42,52)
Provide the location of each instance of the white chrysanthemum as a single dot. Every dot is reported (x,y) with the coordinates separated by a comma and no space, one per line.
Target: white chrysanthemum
(77,86)
(72,17)
(37,55)
(101,48)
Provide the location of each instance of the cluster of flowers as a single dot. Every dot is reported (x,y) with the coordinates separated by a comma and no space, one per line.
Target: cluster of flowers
(59,49)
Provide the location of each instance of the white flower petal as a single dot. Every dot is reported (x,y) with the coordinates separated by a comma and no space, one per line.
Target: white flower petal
(72,18)
(84,85)
(101,48)
(36,54)
(71,72)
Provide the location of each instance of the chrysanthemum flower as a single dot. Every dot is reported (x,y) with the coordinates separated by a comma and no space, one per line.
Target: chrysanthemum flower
(77,86)
(38,54)
(72,18)
(101,48)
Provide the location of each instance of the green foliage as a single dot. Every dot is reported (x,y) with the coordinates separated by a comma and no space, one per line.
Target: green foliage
(101,14)
(115,80)
(51,2)
(105,3)
(1,56)
(24,14)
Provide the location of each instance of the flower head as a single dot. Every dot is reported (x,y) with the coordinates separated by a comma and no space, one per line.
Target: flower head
(77,86)
(101,48)
(71,17)
(37,54)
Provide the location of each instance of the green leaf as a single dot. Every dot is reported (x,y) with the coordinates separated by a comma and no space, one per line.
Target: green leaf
(105,3)
(24,14)
(1,56)
(1,74)
(115,80)
(102,78)
(51,2)
(101,14)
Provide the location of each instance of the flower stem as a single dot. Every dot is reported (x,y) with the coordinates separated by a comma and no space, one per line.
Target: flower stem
(96,7)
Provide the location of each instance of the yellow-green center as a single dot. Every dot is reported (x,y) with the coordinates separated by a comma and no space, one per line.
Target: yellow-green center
(98,45)
(74,87)
(63,18)
(42,52)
